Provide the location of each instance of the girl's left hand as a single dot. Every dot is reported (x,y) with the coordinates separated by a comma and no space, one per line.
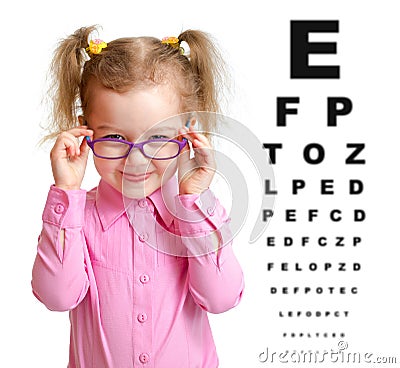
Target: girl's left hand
(195,174)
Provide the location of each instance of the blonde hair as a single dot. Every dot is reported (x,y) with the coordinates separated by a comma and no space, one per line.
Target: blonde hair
(132,62)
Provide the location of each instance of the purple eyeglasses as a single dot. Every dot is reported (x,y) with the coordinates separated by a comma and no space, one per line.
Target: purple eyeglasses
(156,149)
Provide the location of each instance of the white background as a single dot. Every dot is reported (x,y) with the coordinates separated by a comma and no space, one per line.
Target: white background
(254,36)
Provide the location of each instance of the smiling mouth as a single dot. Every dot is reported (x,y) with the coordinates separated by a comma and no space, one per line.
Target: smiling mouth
(136,178)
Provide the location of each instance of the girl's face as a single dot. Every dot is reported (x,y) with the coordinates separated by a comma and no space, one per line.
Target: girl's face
(132,116)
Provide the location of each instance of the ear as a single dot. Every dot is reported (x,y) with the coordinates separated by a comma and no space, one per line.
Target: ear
(82,120)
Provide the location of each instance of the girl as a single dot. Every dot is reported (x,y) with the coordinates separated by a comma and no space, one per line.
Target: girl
(139,260)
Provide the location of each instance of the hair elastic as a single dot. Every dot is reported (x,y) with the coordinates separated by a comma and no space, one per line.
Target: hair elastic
(173,42)
(96,46)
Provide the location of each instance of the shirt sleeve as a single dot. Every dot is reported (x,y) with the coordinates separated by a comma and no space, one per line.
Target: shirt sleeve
(59,277)
(215,276)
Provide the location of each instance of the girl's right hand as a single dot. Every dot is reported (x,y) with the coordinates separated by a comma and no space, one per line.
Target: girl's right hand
(69,158)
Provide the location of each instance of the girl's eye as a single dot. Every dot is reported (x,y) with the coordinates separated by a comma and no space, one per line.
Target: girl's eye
(114,136)
(158,136)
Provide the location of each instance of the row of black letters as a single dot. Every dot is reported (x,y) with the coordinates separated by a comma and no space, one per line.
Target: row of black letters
(335,215)
(356,186)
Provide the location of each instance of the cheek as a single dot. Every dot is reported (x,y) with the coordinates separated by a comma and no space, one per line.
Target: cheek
(105,166)
(167,168)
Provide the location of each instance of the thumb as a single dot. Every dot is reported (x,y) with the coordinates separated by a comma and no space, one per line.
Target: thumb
(184,156)
(84,148)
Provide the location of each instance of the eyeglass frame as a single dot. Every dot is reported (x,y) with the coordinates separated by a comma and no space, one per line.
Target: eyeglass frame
(132,145)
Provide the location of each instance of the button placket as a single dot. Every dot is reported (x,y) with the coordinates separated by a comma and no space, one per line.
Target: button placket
(143,266)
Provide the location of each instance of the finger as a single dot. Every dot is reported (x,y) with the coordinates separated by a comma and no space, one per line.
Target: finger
(200,141)
(79,148)
(202,147)
(193,136)
(80,131)
(200,144)
(69,144)
(204,157)
(69,140)
(184,155)
(71,147)
(84,148)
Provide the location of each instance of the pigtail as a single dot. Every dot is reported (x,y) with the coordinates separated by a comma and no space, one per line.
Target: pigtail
(65,71)
(208,68)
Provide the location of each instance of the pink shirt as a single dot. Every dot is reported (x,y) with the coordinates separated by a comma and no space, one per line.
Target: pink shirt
(130,304)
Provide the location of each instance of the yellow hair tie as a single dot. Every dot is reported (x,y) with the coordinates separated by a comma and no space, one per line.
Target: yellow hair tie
(174,42)
(95,46)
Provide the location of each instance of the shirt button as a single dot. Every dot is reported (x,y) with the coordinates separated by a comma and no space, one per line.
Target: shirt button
(144,358)
(142,203)
(59,209)
(142,317)
(210,211)
(143,237)
(144,279)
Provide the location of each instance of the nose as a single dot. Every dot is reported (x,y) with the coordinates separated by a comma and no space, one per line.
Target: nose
(136,157)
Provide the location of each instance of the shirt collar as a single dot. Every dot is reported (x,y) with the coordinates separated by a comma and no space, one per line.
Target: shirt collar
(110,202)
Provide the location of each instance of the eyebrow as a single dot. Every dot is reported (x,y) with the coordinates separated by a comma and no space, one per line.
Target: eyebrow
(162,128)
(149,131)
(105,127)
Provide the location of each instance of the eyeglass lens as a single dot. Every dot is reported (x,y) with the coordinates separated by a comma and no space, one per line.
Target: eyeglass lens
(155,149)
